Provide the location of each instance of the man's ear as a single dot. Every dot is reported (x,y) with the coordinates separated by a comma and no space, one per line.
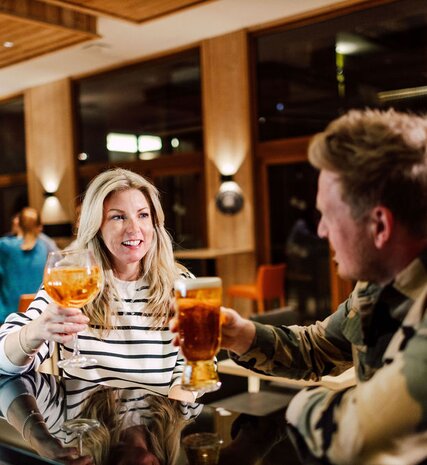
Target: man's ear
(381,224)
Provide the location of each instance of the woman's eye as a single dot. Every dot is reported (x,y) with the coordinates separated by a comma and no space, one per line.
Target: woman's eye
(117,217)
(144,215)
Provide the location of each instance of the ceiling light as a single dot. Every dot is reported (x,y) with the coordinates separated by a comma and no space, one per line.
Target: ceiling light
(117,142)
(8,44)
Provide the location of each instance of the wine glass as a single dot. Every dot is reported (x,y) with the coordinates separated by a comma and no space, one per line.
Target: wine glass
(72,279)
(80,426)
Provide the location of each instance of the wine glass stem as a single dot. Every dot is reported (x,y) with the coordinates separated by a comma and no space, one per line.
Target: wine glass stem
(80,444)
(76,348)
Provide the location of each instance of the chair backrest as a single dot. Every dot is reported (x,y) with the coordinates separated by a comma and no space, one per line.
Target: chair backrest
(271,281)
(24,301)
(279,316)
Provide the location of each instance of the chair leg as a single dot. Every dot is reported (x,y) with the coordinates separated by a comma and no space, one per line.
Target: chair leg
(282,301)
(260,306)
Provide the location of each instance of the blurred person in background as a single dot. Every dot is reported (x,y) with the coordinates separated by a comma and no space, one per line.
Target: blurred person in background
(16,231)
(22,260)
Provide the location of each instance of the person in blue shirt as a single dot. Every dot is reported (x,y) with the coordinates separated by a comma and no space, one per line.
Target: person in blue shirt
(15,231)
(22,260)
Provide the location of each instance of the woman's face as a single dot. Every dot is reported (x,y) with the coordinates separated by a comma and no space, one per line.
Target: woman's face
(135,449)
(127,231)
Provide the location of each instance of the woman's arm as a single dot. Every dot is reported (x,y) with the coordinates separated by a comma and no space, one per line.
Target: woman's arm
(26,339)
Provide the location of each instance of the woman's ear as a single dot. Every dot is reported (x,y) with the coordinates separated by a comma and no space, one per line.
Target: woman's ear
(381,224)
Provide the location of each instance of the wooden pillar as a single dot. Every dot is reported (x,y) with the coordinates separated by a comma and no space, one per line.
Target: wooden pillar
(227,132)
(49,147)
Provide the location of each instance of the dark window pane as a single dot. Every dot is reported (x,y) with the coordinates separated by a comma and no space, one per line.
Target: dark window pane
(160,99)
(182,200)
(12,137)
(294,238)
(181,197)
(308,76)
(12,199)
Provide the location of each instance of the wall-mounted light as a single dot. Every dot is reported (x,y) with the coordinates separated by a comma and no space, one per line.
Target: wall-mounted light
(229,199)
(52,211)
(47,194)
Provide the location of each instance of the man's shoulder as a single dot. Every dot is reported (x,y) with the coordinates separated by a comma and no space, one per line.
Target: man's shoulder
(7,242)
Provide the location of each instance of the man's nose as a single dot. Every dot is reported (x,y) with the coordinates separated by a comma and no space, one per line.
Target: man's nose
(321,229)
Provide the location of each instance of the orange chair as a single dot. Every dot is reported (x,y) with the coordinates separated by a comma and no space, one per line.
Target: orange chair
(269,286)
(24,302)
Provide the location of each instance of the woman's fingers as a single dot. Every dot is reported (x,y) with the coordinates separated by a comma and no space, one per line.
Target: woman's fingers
(60,324)
(174,327)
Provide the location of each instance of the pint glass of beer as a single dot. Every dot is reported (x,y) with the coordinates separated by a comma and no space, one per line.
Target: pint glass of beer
(198,304)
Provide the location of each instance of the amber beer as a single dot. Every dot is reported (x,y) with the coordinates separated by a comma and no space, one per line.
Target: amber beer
(198,304)
(72,286)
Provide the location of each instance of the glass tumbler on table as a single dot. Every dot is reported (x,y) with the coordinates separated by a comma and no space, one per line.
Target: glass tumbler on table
(198,304)
(72,279)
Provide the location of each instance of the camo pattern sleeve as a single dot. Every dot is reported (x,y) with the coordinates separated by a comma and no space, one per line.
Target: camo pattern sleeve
(383,419)
(379,421)
(300,352)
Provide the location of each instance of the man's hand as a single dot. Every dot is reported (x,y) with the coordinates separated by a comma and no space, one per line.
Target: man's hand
(237,333)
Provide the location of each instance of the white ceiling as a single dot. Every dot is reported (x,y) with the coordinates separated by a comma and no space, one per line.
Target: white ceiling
(122,41)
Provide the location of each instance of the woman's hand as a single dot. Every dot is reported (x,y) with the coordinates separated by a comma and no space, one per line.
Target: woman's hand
(50,447)
(237,333)
(55,324)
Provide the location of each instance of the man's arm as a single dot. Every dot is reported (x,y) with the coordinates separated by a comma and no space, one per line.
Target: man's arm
(382,420)
(300,352)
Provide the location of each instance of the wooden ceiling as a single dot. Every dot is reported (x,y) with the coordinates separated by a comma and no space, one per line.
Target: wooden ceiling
(131,10)
(30,28)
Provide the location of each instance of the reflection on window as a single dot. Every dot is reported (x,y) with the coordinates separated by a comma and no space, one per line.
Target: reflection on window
(295,241)
(156,102)
(12,137)
(309,75)
(181,198)
(13,199)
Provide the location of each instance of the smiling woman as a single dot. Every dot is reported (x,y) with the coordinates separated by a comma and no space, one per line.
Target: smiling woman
(126,326)
(127,231)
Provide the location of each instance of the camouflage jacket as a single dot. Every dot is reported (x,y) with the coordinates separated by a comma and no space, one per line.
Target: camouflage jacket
(383,332)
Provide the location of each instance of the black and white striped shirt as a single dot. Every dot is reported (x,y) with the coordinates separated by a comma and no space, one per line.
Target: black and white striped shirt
(132,353)
(65,399)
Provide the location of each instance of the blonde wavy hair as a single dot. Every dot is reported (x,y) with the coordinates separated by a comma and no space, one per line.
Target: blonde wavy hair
(163,428)
(157,267)
(381,159)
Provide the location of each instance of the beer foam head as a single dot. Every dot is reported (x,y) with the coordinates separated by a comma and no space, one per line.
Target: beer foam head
(186,284)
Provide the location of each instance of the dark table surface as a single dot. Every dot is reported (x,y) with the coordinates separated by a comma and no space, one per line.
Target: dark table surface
(141,427)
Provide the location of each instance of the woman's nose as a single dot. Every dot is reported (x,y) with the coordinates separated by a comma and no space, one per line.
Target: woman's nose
(132,225)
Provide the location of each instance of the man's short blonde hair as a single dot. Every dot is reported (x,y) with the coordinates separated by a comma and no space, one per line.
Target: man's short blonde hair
(380,157)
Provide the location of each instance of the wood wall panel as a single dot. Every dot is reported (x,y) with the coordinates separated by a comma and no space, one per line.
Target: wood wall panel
(225,85)
(227,132)
(49,140)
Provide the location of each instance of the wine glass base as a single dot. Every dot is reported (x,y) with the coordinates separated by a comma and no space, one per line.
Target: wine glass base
(200,375)
(79,425)
(205,387)
(79,361)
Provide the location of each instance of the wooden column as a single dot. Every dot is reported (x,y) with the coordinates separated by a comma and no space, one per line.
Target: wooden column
(49,147)
(227,132)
